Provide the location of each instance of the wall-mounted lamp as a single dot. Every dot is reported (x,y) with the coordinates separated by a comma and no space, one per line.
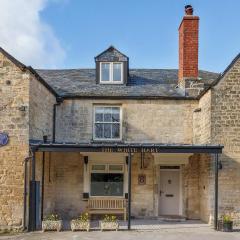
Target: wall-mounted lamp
(220,165)
(45,138)
(85,158)
(22,108)
(126,160)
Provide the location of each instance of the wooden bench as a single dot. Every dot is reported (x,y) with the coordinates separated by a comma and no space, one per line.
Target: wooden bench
(107,206)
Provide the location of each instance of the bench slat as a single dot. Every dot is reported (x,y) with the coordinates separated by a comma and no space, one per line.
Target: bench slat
(104,206)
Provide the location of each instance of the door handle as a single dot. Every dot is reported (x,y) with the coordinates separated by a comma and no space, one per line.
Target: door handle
(161,192)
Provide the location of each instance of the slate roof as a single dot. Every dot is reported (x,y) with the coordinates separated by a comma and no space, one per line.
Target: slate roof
(142,83)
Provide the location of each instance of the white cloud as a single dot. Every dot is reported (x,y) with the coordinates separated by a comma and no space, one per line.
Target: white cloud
(25,35)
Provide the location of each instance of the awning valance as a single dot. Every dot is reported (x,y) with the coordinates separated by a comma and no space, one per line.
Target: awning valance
(125,147)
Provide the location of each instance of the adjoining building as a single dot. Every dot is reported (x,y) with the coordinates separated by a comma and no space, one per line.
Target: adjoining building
(148,141)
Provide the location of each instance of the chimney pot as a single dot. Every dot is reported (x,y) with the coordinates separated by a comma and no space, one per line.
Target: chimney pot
(188,10)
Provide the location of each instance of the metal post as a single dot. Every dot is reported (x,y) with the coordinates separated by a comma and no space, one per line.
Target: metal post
(43,180)
(34,166)
(216,194)
(32,196)
(129,188)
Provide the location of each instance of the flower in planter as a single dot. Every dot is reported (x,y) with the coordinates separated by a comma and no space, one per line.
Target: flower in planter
(52,222)
(84,217)
(81,223)
(51,217)
(109,222)
(225,223)
(227,218)
(110,218)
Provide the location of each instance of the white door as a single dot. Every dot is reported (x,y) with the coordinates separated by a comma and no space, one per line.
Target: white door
(169,191)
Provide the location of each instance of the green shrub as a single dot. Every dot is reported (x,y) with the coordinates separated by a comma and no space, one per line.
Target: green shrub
(226,218)
(110,218)
(84,217)
(52,217)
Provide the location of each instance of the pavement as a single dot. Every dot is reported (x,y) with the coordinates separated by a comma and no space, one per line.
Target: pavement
(179,233)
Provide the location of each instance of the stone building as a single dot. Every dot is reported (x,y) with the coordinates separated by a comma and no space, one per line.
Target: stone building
(147,137)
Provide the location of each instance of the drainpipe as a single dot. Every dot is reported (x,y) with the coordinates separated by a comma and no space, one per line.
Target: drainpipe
(59,101)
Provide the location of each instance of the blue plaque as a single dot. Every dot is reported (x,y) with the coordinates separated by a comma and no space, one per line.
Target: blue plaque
(3,139)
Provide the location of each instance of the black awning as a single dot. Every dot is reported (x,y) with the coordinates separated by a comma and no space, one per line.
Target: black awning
(125,147)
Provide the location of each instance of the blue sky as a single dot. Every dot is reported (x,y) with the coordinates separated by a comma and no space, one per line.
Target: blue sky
(72,32)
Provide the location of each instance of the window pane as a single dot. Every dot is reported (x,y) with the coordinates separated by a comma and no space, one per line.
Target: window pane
(99,130)
(99,111)
(117,72)
(106,184)
(115,114)
(98,167)
(107,114)
(105,72)
(107,130)
(115,167)
(115,130)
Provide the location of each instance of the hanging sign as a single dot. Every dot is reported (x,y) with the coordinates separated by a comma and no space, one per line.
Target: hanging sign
(3,139)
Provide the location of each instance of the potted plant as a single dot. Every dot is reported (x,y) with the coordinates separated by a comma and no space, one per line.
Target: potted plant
(109,222)
(52,222)
(227,223)
(81,223)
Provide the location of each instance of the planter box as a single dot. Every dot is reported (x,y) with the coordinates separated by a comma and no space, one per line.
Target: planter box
(108,225)
(52,225)
(225,227)
(78,225)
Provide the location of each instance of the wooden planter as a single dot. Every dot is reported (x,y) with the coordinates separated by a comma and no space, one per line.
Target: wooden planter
(77,225)
(49,225)
(108,225)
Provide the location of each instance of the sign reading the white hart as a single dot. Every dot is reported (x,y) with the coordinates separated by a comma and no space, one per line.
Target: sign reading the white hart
(3,139)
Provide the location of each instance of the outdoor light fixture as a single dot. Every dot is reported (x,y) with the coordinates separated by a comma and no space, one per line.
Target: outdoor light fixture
(127,160)
(45,138)
(22,108)
(85,161)
(220,165)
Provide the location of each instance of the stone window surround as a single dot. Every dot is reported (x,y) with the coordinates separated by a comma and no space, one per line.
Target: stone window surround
(93,127)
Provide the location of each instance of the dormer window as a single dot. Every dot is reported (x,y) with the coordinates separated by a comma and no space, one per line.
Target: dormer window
(111,67)
(111,72)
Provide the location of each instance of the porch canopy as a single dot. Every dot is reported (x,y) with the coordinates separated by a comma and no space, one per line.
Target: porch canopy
(127,148)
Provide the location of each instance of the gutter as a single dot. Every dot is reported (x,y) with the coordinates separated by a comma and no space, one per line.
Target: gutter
(72,97)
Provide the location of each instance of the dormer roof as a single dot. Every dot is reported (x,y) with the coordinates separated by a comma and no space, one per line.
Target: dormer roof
(111,54)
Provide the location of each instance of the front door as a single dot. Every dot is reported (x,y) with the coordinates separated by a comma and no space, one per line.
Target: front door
(169,191)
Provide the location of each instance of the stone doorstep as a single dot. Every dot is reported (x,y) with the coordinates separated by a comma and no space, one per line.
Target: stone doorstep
(172,218)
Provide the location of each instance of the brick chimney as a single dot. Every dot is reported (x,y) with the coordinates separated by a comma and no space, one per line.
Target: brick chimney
(188,47)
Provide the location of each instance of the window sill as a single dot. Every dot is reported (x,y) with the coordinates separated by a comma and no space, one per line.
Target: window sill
(112,141)
(111,83)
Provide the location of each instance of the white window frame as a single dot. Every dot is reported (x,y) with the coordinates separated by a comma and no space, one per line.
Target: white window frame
(106,171)
(111,73)
(94,117)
